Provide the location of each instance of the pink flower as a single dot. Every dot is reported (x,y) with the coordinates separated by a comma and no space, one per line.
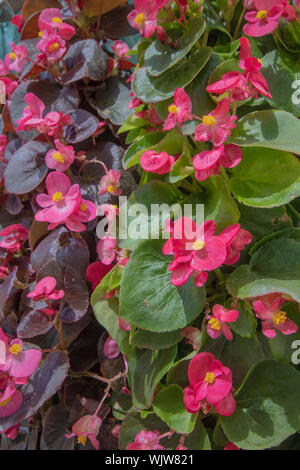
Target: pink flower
(85,428)
(209,162)
(180,110)
(3,143)
(17,58)
(120,49)
(231,446)
(217,322)
(110,182)
(15,236)
(10,398)
(268,310)
(21,362)
(264,19)
(32,115)
(106,249)
(4,70)
(159,163)
(12,432)
(62,200)
(216,126)
(50,20)
(55,122)
(18,21)
(110,348)
(143,18)
(61,158)
(52,46)
(7,86)
(96,271)
(45,289)
(86,212)
(146,440)
(235,239)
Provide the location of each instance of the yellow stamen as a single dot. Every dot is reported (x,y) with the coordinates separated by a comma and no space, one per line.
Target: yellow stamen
(208,120)
(172,109)
(279,318)
(111,189)
(198,245)
(81,440)
(262,14)
(12,55)
(140,19)
(53,47)
(83,207)
(57,197)
(15,349)
(58,156)
(41,34)
(5,402)
(56,19)
(114,206)
(259,60)
(214,324)
(209,378)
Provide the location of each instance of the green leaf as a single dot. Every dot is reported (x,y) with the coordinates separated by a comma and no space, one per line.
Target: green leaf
(169,406)
(149,340)
(268,407)
(155,89)
(246,324)
(278,130)
(147,297)
(159,57)
(266,178)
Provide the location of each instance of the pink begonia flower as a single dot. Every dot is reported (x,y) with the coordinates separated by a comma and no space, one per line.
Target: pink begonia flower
(288,13)
(194,248)
(180,110)
(50,20)
(85,428)
(264,19)
(56,122)
(4,70)
(192,335)
(10,398)
(61,158)
(7,87)
(18,21)
(235,239)
(209,162)
(268,310)
(96,271)
(217,125)
(45,289)
(231,446)
(17,58)
(120,49)
(110,182)
(52,46)
(159,163)
(62,199)
(86,212)
(111,348)
(12,432)
(227,406)
(217,322)
(134,103)
(3,143)
(20,362)
(124,325)
(106,249)
(146,440)
(143,17)
(14,237)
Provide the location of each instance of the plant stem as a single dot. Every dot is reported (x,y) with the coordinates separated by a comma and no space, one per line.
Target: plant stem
(240,21)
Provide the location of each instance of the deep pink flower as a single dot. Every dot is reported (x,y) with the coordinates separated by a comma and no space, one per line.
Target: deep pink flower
(7,87)
(146,440)
(111,182)
(268,310)
(50,20)
(124,325)
(14,237)
(18,21)
(62,200)
(217,125)
(134,103)
(52,46)
(17,58)
(85,428)
(231,446)
(110,348)
(180,110)
(61,158)
(45,289)
(217,322)
(264,18)
(235,239)
(20,362)
(143,17)
(3,143)
(209,162)
(159,163)
(226,406)
(288,13)
(12,432)
(10,398)
(96,271)
(106,249)
(55,122)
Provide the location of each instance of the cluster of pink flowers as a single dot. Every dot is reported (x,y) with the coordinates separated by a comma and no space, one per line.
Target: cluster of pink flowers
(144,17)
(20,362)
(197,250)
(64,204)
(210,384)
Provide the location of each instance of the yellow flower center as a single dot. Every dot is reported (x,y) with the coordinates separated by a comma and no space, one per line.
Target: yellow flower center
(209,378)
(208,120)
(279,318)
(81,440)
(12,55)
(53,47)
(83,207)
(198,245)
(5,402)
(41,34)
(57,197)
(114,206)
(260,61)
(58,156)
(140,19)
(262,14)
(56,19)
(15,349)
(173,109)
(214,324)
(111,189)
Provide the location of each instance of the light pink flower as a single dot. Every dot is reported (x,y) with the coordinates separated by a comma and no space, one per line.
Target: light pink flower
(209,162)
(55,122)
(268,310)
(146,440)
(264,18)
(14,237)
(32,115)
(217,125)
(4,70)
(62,200)
(61,158)
(86,212)
(17,58)
(111,182)
(8,86)
(110,348)
(235,239)
(192,335)
(50,20)
(106,249)
(20,362)
(180,110)
(159,163)
(52,46)
(217,322)
(120,49)
(10,398)
(45,289)
(143,17)
(85,428)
